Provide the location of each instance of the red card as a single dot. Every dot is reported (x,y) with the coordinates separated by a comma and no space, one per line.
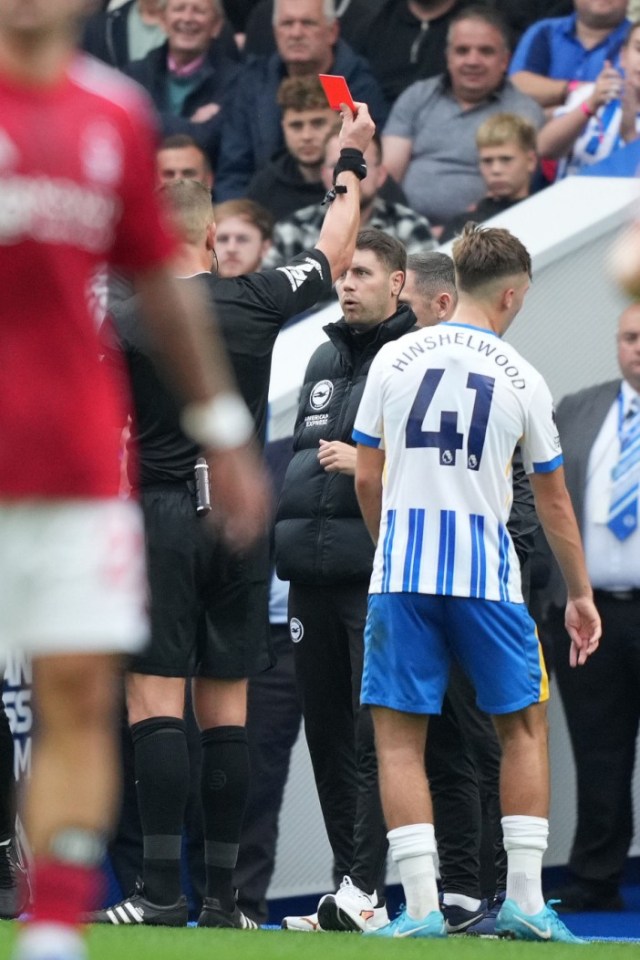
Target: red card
(336,91)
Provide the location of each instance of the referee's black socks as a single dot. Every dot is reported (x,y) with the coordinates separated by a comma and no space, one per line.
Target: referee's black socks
(224,789)
(162,784)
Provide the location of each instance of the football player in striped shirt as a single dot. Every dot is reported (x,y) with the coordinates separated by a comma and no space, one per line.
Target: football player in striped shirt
(442,412)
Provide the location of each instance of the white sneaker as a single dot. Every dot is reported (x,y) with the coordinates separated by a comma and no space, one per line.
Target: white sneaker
(352,909)
(302,924)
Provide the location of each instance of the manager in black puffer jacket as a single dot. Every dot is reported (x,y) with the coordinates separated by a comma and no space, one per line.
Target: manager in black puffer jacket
(324,549)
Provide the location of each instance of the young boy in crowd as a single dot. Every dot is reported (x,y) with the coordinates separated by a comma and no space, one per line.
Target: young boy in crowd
(507,158)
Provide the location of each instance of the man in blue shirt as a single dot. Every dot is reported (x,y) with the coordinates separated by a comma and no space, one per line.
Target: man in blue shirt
(555,53)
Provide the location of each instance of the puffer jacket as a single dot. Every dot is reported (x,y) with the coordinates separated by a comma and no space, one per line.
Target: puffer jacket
(320,536)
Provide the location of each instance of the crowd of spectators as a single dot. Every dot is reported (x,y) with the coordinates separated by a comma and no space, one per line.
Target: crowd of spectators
(240,79)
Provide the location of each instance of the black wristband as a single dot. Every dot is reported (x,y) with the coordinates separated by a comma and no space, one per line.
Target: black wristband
(330,195)
(352,160)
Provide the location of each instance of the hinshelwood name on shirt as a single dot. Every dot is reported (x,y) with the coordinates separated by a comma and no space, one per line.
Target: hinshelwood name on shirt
(51,210)
(463,338)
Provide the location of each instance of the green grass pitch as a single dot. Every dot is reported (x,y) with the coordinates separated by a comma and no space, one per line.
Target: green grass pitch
(140,943)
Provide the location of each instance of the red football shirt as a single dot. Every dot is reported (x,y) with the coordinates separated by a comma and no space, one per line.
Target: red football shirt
(77,183)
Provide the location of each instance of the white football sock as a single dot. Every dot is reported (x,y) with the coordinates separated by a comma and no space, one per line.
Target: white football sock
(413,848)
(525,840)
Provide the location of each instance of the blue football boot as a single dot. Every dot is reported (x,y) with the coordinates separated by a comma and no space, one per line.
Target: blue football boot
(405,926)
(544,925)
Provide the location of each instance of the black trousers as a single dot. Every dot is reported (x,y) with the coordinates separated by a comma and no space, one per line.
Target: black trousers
(273,724)
(463,754)
(339,732)
(463,766)
(602,706)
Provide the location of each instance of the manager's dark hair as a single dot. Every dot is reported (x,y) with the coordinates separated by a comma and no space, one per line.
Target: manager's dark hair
(387,249)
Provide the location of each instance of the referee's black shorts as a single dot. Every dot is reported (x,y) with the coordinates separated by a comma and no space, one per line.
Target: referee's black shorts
(208,607)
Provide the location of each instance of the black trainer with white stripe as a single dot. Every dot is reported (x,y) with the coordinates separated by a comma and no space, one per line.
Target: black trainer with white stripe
(136,909)
(214,915)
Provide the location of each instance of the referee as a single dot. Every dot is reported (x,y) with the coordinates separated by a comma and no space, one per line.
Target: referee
(208,604)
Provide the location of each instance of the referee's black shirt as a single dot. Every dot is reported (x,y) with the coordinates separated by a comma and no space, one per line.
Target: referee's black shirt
(250,310)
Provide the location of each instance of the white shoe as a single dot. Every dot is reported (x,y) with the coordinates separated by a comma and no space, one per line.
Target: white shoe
(302,924)
(352,909)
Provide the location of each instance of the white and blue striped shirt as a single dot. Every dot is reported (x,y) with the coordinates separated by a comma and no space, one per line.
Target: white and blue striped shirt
(448,404)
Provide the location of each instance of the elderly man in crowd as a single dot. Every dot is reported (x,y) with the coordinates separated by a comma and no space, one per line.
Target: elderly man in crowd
(306,33)
(189,77)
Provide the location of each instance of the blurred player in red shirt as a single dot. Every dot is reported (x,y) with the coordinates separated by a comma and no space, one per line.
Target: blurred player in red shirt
(76,190)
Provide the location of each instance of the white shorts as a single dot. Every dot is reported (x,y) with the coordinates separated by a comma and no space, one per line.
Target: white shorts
(72,577)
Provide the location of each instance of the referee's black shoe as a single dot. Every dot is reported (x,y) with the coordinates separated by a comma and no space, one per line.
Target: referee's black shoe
(213,914)
(136,909)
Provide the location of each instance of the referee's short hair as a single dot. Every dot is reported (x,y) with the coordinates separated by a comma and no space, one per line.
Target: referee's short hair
(190,206)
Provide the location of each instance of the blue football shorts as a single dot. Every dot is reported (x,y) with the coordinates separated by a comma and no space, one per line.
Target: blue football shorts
(410,639)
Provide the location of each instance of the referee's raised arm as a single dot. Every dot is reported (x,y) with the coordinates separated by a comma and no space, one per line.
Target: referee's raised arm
(338,234)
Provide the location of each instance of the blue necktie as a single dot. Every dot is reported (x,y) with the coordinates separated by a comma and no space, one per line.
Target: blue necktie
(623,511)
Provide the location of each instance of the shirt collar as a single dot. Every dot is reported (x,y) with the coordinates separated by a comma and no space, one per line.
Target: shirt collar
(470,326)
(569,26)
(189,69)
(569,29)
(447,87)
(628,394)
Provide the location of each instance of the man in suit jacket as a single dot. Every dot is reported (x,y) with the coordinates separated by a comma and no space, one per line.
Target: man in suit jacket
(602,704)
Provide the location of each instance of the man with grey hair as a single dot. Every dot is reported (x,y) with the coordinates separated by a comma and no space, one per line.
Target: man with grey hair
(430,287)
(306,33)
(353,16)
(190,76)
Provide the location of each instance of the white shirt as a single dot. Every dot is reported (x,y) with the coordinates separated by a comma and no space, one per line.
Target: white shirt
(448,404)
(613,564)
